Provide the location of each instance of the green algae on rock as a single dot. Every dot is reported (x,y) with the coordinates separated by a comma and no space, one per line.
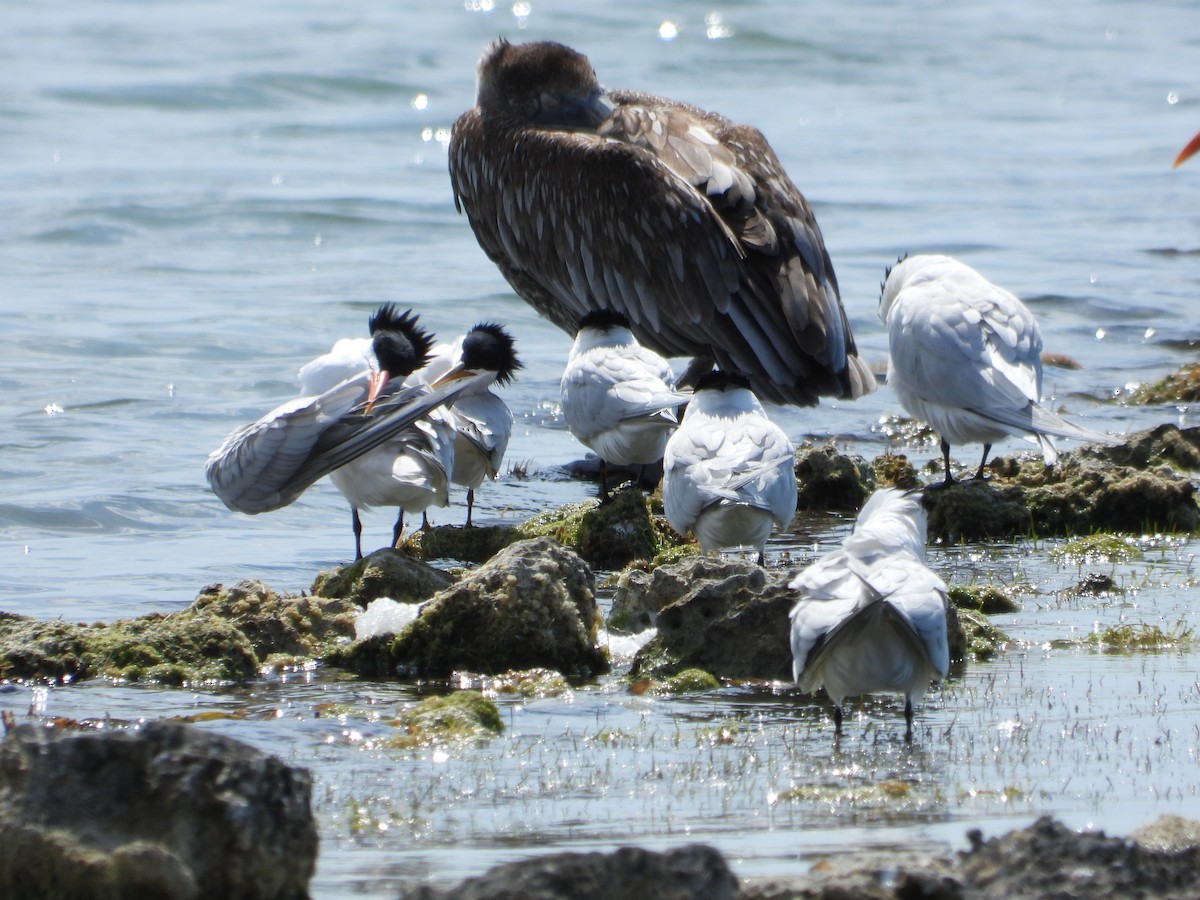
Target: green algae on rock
(476,544)
(1181,386)
(972,637)
(688,681)
(461,717)
(385,573)
(224,636)
(1135,487)
(1096,548)
(831,480)
(985,598)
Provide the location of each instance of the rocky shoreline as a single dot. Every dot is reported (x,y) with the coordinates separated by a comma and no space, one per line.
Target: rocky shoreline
(529,609)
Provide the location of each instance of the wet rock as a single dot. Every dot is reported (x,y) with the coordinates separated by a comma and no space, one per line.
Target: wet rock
(226,635)
(1047,859)
(167,811)
(463,717)
(532,605)
(1134,487)
(476,544)
(689,681)
(279,627)
(385,573)
(894,470)
(608,535)
(985,598)
(1168,834)
(694,872)
(1096,548)
(1182,386)
(831,480)
(972,637)
(728,617)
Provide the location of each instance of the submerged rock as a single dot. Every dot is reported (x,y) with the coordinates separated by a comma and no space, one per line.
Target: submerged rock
(532,605)
(227,634)
(385,573)
(462,717)
(693,872)
(167,811)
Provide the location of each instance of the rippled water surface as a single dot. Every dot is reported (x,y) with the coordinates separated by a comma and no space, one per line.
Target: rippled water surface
(199,197)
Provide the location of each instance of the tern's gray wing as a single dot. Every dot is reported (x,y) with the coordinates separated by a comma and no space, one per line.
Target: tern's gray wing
(267,465)
(251,470)
(702,242)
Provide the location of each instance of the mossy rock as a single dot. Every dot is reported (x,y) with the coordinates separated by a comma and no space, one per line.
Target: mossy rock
(476,544)
(1135,487)
(688,681)
(894,470)
(279,625)
(385,573)
(531,606)
(224,636)
(972,637)
(561,524)
(462,717)
(1182,386)
(1094,548)
(984,598)
(828,479)
(618,532)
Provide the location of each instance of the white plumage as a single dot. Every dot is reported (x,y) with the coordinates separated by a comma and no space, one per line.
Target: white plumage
(871,615)
(482,422)
(728,472)
(966,358)
(354,421)
(617,396)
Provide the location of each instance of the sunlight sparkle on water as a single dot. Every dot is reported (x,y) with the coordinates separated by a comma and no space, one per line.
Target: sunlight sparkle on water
(668,31)
(715,29)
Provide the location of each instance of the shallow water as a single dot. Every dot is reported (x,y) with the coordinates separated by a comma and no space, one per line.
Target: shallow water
(200,197)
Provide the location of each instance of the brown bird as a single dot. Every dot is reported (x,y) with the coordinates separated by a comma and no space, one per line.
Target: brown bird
(677,218)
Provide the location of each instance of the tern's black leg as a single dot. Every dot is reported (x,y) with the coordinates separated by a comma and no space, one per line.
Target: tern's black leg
(987,448)
(356,524)
(908,719)
(762,558)
(946,458)
(837,720)
(398,528)
(603,481)
(470,504)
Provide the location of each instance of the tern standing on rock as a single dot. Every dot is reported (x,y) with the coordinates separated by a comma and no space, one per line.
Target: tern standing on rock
(617,396)
(966,358)
(482,422)
(729,471)
(354,407)
(871,615)
(675,217)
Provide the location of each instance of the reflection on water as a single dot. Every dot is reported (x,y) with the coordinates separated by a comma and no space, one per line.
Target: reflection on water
(1098,738)
(197,204)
